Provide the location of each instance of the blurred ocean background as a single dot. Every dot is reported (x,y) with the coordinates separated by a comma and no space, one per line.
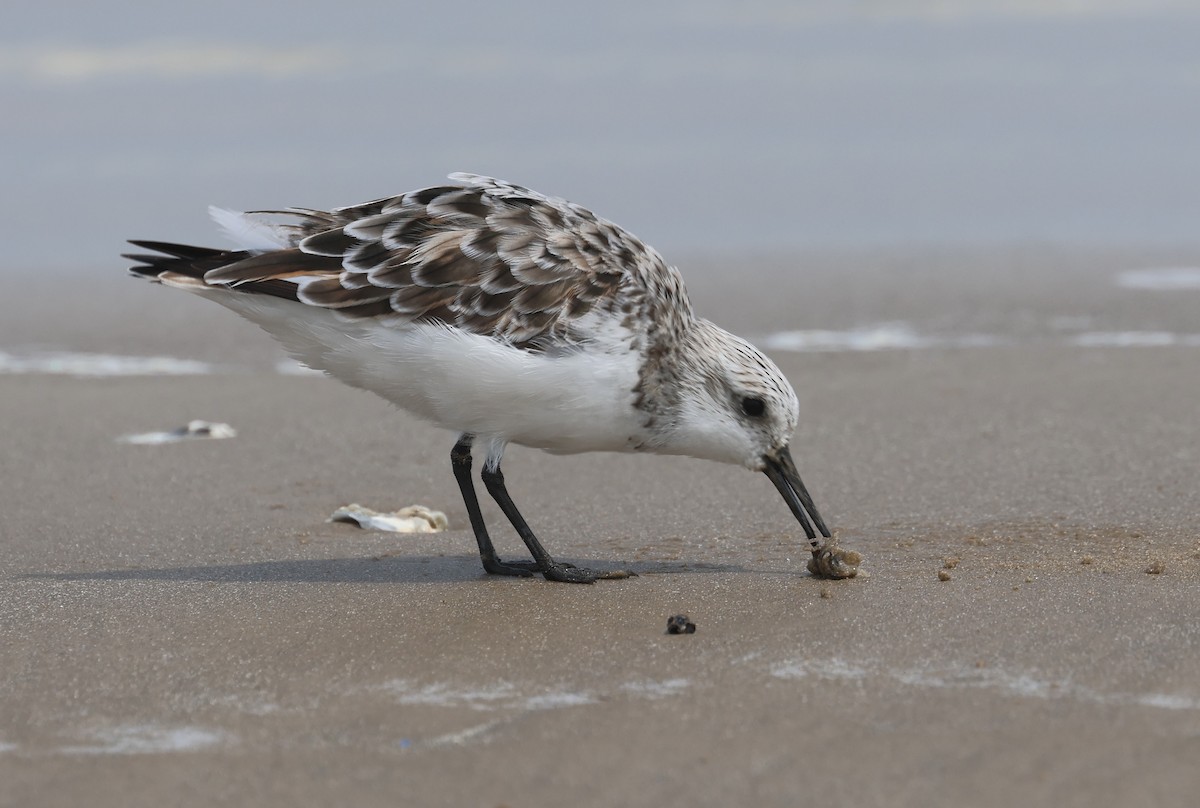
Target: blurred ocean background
(856,160)
(761,125)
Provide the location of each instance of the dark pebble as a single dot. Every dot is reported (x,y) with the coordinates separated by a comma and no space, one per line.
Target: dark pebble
(679,624)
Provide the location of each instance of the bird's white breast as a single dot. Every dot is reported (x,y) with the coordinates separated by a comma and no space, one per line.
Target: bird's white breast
(572,401)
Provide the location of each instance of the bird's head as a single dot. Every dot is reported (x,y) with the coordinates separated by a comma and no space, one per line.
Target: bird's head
(736,406)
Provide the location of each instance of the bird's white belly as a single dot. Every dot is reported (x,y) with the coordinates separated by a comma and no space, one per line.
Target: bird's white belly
(574,402)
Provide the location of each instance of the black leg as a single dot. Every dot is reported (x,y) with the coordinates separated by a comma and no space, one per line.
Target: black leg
(554,571)
(460,461)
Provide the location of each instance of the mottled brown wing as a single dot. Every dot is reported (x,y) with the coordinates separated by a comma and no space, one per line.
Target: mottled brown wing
(488,257)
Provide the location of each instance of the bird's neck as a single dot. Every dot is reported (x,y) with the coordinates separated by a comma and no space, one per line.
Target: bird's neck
(674,369)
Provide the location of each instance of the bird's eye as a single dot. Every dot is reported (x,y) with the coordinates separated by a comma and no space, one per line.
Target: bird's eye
(754,407)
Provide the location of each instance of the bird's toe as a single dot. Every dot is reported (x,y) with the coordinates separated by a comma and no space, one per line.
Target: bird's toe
(569,573)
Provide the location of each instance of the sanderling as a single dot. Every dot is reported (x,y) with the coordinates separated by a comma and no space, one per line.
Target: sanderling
(508,317)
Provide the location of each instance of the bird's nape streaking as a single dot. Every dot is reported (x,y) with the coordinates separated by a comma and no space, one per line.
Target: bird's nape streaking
(508,317)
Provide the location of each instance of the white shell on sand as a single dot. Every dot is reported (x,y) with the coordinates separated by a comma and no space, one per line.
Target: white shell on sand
(413,519)
(194,430)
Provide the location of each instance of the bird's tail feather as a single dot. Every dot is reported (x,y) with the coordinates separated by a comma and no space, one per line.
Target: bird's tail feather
(186,267)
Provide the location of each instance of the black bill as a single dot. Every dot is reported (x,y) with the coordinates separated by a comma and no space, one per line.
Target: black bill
(782,472)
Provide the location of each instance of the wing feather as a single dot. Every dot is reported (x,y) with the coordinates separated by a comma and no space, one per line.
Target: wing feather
(485,256)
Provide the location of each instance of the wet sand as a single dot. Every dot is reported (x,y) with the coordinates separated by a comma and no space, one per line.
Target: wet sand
(180,626)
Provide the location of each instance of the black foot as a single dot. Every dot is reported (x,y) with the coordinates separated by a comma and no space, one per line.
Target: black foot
(520,569)
(570,574)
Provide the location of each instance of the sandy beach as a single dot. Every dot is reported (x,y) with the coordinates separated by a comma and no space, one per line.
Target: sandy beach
(179,625)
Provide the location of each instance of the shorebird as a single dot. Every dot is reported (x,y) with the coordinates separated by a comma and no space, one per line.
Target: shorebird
(506,316)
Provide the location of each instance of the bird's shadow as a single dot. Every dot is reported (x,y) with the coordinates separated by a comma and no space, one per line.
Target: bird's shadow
(364,570)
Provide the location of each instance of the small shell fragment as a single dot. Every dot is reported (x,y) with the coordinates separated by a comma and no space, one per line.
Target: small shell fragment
(413,519)
(831,561)
(194,430)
